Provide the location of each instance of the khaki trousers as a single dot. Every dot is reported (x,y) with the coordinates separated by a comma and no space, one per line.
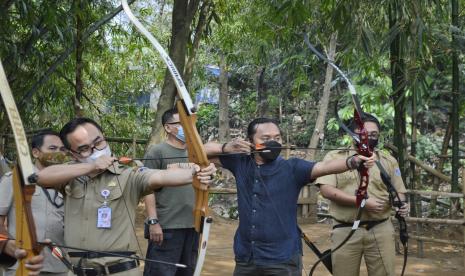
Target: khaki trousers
(376,246)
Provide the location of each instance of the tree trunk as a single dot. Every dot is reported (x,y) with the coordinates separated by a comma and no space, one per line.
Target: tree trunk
(440,166)
(223,130)
(262,105)
(455,110)
(199,31)
(318,132)
(398,89)
(78,109)
(183,14)
(413,149)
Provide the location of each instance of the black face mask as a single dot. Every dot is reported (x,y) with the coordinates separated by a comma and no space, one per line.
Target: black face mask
(372,143)
(271,151)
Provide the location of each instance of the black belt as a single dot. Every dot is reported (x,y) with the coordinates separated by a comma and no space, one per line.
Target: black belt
(367,224)
(106,270)
(94,255)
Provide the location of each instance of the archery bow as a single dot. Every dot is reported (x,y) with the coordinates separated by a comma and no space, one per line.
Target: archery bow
(361,140)
(396,201)
(23,188)
(196,152)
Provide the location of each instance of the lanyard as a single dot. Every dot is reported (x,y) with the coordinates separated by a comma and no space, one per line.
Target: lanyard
(54,201)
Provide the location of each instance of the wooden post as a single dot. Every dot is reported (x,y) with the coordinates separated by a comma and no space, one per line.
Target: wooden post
(419,226)
(134,147)
(463,191)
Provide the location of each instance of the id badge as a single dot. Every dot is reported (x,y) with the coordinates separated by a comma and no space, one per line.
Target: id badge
(104,217)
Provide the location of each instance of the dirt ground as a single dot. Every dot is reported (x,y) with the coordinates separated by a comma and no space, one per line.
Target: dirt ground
(439,259)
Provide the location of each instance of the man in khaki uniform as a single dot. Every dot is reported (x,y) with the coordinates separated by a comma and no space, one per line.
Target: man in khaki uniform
(4,168)
(374,239)
(47,204)
(101,197)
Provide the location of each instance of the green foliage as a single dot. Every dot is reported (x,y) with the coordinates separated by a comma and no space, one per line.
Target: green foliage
(121,68)
(207,121)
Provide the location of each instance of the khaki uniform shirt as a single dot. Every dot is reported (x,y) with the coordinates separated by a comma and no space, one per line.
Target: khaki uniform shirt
(83,197)
(4,168)
(48,219)
(349,181)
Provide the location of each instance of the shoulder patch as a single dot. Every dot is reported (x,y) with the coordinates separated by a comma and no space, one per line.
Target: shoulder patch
(140,169)
(397,172)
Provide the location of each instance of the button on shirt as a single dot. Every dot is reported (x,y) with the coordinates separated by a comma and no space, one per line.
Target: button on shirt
(267,198)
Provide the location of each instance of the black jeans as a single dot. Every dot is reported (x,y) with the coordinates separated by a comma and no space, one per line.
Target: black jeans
(179,246)
(292,267)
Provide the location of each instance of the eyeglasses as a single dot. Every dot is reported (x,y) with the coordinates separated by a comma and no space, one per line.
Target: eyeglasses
(173,123)
(371,135)
(87,150)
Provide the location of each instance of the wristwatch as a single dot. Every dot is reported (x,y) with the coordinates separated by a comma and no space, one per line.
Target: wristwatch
(33,178)
(152,221)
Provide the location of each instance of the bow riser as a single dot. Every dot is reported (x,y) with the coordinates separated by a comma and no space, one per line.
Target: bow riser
(196,155)
(23,189)
(363,149)
(25,229)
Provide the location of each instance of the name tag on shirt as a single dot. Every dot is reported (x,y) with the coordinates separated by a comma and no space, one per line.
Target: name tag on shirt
(104,217)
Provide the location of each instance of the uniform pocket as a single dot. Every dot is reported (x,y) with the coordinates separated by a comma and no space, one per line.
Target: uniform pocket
(75,190)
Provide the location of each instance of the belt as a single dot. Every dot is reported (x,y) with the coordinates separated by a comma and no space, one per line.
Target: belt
(107,269)
(94,255)
(367,224)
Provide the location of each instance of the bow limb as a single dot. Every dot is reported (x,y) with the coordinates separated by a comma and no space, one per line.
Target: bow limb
(23,189)
(196,152)
(396,201)
(361,141)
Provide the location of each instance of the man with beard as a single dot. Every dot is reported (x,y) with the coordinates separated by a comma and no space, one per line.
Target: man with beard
(267,241)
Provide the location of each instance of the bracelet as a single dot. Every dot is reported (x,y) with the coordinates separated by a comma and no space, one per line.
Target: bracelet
(223,146)
(348,162)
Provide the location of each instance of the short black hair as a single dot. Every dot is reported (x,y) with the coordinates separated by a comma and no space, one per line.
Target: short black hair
(366,117)
(168,115)
(72,125)
(252,128)
(37,140)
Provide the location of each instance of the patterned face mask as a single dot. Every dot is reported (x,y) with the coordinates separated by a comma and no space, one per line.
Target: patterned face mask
(53,158)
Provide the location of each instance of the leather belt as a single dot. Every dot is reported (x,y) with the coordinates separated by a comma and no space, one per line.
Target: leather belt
(107,269)
(94,255)
(367,224)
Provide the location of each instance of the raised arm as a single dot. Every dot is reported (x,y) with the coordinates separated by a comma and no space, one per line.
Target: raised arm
(179,177)
(341,165)
(213,149)
(55,176)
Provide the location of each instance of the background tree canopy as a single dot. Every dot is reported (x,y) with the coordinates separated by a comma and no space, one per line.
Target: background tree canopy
(83,58)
